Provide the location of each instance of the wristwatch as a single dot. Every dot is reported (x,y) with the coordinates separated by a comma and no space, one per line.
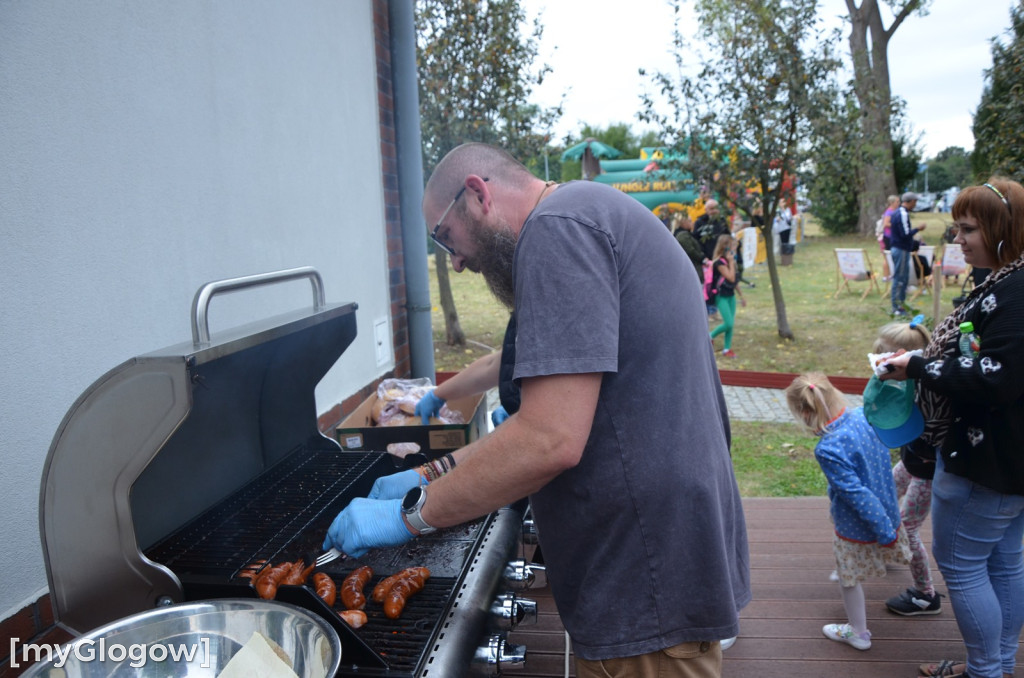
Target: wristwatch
(411,507)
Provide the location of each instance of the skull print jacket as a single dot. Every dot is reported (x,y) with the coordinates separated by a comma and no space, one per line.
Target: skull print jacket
(985,442)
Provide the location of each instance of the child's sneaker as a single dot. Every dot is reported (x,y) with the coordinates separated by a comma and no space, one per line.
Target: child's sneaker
(728,353)
(843,633)
(912,602)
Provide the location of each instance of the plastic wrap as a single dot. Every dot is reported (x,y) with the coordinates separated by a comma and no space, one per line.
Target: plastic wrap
(396,404)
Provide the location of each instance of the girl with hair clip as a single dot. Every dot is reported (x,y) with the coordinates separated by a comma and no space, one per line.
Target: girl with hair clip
(864,509)
(913,477)
(970,390)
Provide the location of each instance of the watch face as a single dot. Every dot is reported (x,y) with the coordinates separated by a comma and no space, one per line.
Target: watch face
(411,498)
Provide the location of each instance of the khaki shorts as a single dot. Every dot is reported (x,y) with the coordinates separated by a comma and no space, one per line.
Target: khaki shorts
(698,659)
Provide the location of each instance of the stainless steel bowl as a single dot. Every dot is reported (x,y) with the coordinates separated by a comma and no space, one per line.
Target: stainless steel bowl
(204,636)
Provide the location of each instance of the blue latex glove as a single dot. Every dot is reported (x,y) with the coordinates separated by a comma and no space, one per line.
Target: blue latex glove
(429,406)
(499,415)
(396,485)
(367,524)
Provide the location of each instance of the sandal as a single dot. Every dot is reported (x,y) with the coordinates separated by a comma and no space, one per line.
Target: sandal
(946,668)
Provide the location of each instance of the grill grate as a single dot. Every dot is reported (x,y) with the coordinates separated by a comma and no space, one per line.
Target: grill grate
(264,517)
(283,515)
(401,642)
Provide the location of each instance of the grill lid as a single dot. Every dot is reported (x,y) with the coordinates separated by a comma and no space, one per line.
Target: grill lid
(164,436)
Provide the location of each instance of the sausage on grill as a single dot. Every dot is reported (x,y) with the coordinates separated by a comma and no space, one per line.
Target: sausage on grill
(410,582)
(266,584)
(354,618)
(352,595)
(325,588)
(298,573)
(380,591)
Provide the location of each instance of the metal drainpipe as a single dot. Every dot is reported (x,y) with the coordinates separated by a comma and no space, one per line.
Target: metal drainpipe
(410,185)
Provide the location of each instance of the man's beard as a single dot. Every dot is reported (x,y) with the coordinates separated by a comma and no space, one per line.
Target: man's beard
(496,251)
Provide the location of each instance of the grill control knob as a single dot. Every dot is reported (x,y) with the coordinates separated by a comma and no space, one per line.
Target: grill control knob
(522,575)
(511,611)
(499,654)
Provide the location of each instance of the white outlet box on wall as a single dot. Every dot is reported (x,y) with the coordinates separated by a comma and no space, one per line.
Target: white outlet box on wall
(382,341)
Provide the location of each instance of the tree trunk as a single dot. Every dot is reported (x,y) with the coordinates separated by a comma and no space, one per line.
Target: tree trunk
(453,330)
(869,43)
(781,321)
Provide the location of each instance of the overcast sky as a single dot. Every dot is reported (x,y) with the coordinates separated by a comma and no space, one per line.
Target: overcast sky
(596,47)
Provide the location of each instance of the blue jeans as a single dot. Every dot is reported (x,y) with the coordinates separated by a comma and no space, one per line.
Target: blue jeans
(977,546)
(900,276)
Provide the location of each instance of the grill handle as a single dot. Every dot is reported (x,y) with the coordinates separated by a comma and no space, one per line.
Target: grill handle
(201,302)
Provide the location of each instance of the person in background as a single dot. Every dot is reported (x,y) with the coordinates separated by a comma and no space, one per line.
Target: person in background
(901,246)
(864,509)
(970,389)
(757,216)
(883,231)
(756,221)
(783,223)
(584,267)
(922,267)
(912,475)
(682,229)
(709,226)
(725,278)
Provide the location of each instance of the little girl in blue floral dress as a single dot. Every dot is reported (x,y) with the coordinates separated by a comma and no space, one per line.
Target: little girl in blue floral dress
(865,512)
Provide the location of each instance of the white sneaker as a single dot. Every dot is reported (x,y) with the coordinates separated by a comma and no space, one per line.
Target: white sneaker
(843,633)
(834,576)
(727,643)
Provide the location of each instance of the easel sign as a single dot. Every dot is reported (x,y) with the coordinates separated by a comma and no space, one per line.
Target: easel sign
(953,262)
(852,265)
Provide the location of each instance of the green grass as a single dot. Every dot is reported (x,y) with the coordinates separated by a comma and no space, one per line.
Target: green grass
(832,333)
(775,460)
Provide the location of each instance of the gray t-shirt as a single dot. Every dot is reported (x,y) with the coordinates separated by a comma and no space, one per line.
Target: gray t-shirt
(644,539)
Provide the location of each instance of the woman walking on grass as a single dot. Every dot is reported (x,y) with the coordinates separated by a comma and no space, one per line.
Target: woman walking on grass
(724,280)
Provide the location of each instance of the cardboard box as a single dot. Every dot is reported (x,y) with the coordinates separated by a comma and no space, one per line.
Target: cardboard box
(357,432)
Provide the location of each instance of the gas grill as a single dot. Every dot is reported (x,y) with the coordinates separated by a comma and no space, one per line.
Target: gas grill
(179,468)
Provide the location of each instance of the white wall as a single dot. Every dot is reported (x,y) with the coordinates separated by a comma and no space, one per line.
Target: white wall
(148,147)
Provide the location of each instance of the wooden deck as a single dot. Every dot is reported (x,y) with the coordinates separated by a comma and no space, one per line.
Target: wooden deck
(780,630)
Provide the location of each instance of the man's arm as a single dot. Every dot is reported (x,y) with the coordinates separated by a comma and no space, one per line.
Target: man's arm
(544,438)
(479,376)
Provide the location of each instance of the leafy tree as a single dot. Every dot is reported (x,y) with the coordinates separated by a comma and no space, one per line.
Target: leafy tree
(834,189)
(950,167)
(906,155)
(869,43)
(744,122)
(477,73)
(832,186)
(999,120)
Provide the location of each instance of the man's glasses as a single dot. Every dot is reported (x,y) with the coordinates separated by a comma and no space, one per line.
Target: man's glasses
(433,234)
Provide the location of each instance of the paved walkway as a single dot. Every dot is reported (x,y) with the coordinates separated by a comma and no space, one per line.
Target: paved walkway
(745,404)
(764,404)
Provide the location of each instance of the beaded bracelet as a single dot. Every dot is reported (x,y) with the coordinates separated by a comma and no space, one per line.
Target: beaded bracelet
(433,470)
(429,473)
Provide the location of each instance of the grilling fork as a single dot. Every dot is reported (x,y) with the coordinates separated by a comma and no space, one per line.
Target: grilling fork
(327,557)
